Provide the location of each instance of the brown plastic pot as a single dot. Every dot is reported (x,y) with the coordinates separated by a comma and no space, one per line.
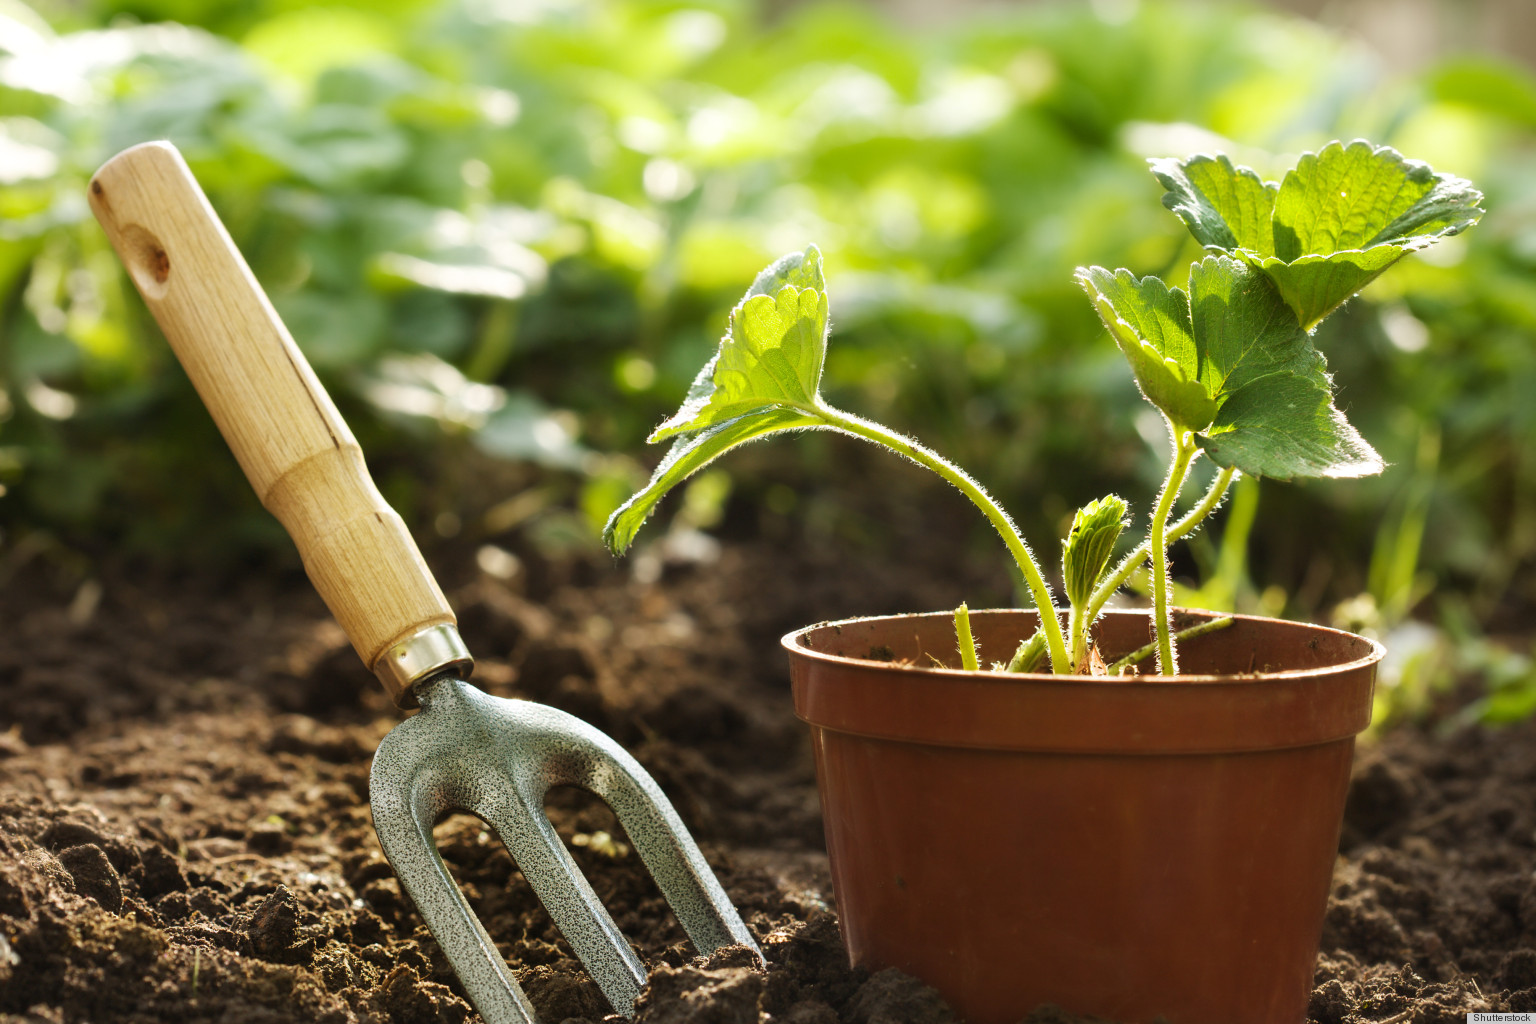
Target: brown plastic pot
(1125,847)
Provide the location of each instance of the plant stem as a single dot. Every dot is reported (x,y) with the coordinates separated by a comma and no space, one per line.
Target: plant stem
(1184,451)
(1137,555)
(967,643)
(1142,653)
(1078,636)
(1022,556)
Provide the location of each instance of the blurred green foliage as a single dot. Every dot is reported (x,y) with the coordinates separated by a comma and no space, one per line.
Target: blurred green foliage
(518,225)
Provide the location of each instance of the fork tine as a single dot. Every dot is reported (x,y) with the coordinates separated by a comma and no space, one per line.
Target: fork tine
(663,843)
(567,896)
(405,804)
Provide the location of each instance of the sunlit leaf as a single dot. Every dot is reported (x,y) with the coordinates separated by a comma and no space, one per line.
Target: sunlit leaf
(1339,218)
(763,379)
(1223,206)
(1357,196)
(1150,323)
(1242,331)
(772,354)
(689,454)
(1286,426)
(303,43)
(1232,345)
(426,387)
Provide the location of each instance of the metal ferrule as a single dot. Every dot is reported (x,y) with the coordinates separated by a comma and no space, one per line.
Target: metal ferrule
(429,652)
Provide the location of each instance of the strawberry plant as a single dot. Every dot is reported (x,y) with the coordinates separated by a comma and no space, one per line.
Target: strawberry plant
(1228,361)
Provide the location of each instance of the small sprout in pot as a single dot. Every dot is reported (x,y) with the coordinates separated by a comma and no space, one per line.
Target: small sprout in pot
(1228,360)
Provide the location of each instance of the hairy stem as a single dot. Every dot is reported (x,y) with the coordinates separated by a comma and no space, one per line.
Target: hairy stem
(1077,629)
(1129,564)
(1142,653)
(963,638)
(1184,451)
(1022,556)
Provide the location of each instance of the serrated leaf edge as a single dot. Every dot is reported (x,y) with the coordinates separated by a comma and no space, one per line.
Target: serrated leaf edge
(1171,201)
(1100,301)
(1442,179)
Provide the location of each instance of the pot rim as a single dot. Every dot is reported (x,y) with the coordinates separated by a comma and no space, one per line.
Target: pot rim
(1328,699)
(791,642)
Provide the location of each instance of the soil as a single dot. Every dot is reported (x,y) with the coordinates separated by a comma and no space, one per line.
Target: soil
(185,834)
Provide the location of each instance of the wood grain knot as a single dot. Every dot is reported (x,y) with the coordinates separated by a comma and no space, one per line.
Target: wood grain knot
(147,261)
(160,265)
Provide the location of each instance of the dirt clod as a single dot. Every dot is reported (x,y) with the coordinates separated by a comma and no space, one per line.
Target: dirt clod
(891,997)
(62,834)
(409,1000)
(275,924)
(688,995)
(1381,793)
(810,1011)
(94,875)
(1330,1002)
(1517,971)
(160,872)
(564,992)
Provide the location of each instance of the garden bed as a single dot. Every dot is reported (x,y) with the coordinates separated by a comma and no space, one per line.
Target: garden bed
(184,828)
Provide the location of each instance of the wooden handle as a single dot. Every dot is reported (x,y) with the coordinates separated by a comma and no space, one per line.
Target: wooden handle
(300,457)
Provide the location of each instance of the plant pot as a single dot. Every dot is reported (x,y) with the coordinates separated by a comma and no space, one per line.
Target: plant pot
(1126,847)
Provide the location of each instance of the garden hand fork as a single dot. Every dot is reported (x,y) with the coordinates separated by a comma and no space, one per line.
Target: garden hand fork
(466,750)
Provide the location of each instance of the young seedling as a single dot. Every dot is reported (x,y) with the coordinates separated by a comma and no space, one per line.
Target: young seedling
(1228,361)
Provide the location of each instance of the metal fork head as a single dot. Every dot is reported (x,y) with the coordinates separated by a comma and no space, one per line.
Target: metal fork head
(496,758)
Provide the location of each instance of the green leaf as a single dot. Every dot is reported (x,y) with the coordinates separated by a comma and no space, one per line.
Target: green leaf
(1030,654)
(1357,196)
(1337,220)
(1095,529)
(764,378)
(1240,344)
(1224,207)
(772,354)
(1150,323)
(1286,426)
(1314,286)
(800,269)
(1242,330)
(687,456)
